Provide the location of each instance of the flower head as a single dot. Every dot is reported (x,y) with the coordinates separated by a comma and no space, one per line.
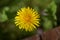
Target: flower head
(27,19)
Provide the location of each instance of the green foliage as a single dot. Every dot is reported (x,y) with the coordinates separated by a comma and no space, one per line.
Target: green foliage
(57,1)
(47,25)
(41,3)
(50,17)
(3,16)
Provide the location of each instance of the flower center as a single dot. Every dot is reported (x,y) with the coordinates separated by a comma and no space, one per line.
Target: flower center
(27,18)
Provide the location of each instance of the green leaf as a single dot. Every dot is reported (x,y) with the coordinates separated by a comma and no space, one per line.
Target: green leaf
(47,25)
(3,17)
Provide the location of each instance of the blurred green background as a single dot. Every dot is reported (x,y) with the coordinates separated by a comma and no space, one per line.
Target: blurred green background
(48,10)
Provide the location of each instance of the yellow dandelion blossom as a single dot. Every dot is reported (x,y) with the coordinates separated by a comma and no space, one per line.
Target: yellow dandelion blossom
(27,19)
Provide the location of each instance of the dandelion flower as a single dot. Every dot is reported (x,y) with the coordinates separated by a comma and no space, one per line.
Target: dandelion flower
(27,19)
